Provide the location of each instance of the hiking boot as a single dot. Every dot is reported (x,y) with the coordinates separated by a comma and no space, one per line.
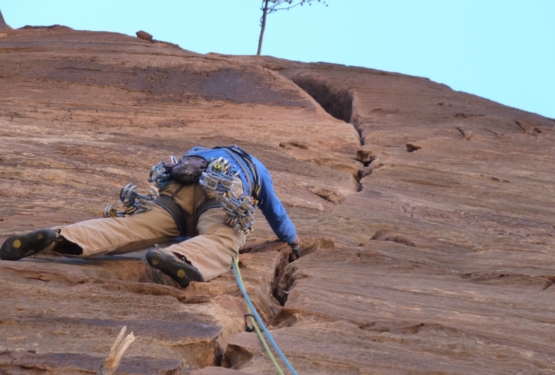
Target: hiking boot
(21,246)
(177,269)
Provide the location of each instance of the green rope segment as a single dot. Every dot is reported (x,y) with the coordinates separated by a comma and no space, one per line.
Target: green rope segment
(252,311)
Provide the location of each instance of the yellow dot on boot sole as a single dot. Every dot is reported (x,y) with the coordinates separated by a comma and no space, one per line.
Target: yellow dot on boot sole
(17,244)
(181,273)
(154,262)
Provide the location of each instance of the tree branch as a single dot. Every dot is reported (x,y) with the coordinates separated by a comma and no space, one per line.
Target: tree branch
(116,353)
(262,26)
(272,6)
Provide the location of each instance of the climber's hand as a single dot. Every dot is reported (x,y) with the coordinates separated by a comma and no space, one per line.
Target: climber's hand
(295,250)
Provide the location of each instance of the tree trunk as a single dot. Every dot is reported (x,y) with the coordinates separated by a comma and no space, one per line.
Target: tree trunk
(263,26)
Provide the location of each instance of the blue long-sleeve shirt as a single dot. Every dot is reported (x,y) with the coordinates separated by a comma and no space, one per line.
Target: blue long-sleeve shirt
(268,202)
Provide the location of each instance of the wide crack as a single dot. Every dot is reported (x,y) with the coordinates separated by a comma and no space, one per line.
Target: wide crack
(339,104)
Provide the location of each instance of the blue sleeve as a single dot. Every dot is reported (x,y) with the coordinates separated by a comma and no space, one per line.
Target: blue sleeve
(272,208)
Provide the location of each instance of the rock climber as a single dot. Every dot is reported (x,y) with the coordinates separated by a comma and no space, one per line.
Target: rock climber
(203,202)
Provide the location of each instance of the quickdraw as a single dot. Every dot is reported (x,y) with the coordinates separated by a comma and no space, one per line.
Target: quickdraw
(219,177)
(133,202)
(220,181)
(240,212)
(160,173)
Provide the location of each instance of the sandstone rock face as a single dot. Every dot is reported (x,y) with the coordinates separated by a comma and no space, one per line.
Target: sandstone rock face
(426,214)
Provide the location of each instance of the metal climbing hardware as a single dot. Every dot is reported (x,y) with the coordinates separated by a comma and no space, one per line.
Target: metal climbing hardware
(220,181)
(243,158)
(161,174)
(248,327)
(240,212)
(133,202)
(219,176)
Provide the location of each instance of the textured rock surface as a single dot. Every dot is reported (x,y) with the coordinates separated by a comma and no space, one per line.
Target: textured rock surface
(427,214)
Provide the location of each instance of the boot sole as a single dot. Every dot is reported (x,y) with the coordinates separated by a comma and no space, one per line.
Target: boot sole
(25,245)
(180,271)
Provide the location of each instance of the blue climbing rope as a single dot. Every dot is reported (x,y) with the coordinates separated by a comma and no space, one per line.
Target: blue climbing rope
(258,318)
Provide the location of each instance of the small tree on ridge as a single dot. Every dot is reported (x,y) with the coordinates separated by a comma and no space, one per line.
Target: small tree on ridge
(272,6)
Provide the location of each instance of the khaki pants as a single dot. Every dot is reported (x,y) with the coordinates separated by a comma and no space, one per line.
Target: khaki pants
(211,250)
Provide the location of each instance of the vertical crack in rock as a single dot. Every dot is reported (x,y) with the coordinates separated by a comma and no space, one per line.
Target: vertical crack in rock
(283,285)
(279,264)
(280,290)
(339,103)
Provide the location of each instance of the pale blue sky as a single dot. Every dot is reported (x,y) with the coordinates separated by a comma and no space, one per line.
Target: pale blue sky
(503,50)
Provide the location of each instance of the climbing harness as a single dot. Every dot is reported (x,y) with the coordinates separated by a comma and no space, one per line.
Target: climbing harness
(178,214)
(218,177)
(133,202)
(257,319)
